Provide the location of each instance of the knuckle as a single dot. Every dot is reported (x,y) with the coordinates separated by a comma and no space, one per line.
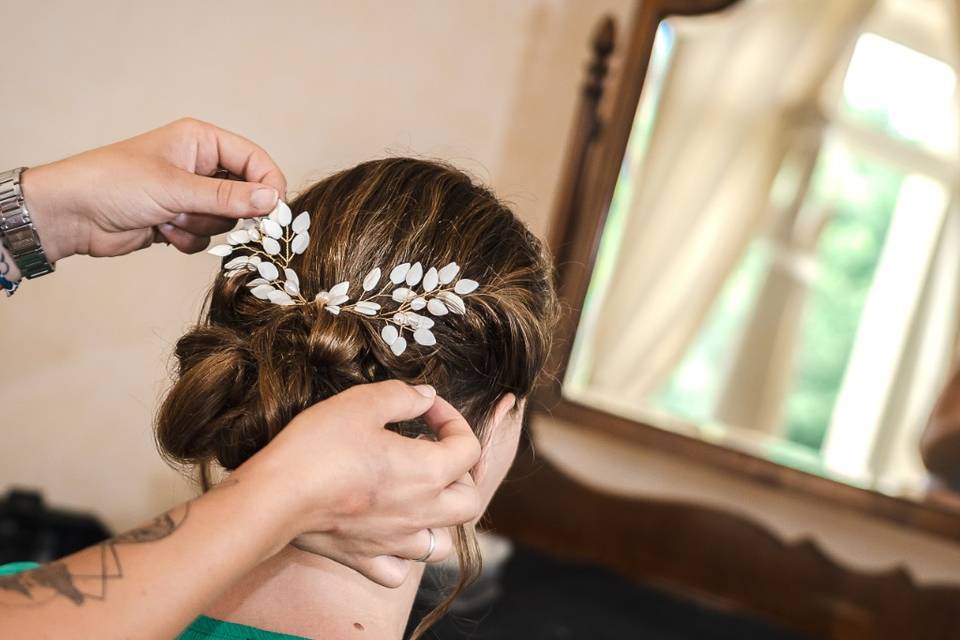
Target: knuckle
(224,193)
(393,387)
(187,124)
(475,450)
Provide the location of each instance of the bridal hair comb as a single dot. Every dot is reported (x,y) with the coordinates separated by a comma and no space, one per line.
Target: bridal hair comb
(269,244)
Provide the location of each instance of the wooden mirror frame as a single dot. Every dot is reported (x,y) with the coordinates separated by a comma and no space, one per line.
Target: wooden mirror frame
(598,143)
(744,568)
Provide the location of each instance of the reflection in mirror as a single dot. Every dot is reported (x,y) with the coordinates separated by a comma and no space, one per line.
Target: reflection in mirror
(780,264)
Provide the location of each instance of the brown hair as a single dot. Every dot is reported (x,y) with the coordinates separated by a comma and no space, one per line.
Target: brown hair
(249,366)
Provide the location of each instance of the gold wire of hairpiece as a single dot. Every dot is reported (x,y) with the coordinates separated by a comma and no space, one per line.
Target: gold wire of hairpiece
(270,244)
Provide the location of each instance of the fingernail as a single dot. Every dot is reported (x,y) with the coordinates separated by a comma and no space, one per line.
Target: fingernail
(426,390)
(264,199)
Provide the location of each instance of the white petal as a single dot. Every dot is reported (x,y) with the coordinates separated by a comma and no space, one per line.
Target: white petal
(221,250)
(337,300)
(399,346)
(262,291)
(431,279)
(415,274)
(340,288)
(272,229)
(239,261)
(424,337)
(279,297)
(283,213)
(254,234)
(240,236)
(463,287)
(256,282)
(399,273)
(418,303)
(268,270)
(417,321)
(300,242)
(271,246)
(448,273)
(402,294)
(232,273)
(301,223)
(372,279)
(335,310)
(367,308)
(389,334)
(292,287)
(400,319)
(437,308)
(291,275)
(453,301)
(255,260)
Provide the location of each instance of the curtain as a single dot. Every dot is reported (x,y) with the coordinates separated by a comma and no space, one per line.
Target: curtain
(725,123)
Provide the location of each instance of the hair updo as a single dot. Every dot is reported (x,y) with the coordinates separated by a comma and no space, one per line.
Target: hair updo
(248,367)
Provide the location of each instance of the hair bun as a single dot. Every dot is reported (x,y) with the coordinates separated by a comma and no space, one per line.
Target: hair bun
(238,388)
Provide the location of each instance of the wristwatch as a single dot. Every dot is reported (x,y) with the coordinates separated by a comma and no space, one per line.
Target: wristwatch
(17,231)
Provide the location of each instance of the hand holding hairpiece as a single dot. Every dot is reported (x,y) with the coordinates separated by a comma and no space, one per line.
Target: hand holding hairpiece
(270,244)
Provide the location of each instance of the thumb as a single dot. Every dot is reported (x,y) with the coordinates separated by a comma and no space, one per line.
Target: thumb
(388,401)
(228,198)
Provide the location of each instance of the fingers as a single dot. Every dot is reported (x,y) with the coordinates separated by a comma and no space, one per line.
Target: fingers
(415,546)
(389,401)
(458,503)
(456,449)
(228,198)
(219,147)
(183,240)
(201,224)
(387,571)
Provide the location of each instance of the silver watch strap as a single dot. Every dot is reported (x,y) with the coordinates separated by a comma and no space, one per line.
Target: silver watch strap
(17,231)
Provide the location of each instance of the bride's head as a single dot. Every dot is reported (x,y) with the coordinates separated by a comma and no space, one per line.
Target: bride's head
(250,365)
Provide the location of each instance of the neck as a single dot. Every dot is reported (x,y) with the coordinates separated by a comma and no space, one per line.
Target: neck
(302,594)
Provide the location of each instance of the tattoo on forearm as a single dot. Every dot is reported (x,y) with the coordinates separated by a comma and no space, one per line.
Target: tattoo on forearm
(56,579)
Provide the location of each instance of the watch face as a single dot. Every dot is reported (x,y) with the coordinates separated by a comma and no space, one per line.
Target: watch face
(22,240)
(10,222)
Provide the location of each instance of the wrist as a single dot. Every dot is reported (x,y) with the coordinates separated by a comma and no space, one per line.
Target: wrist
(276,500)
(56,228)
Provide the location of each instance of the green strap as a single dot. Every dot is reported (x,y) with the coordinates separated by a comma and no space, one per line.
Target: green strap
(204,628)
(16,567)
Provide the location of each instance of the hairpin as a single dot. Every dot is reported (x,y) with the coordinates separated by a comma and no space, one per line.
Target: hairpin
(270,243)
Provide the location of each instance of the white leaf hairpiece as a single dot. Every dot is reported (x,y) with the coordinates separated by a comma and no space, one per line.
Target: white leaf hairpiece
(270,243)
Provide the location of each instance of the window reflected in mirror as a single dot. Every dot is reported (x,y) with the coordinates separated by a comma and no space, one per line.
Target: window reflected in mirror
(779,267)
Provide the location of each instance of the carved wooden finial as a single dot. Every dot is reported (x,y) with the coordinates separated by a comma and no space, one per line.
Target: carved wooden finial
(603,44)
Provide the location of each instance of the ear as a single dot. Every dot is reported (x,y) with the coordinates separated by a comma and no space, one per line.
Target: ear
(501,412)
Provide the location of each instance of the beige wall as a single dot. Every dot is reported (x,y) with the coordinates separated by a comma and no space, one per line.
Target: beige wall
(488,85)
(322,85)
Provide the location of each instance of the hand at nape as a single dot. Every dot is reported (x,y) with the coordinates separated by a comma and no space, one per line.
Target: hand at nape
(154,187)
(365,496)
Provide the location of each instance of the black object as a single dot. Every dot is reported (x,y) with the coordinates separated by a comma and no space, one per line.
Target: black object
(547,599)
(29,530)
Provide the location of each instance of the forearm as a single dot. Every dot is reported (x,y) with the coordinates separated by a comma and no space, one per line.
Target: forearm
(150,582)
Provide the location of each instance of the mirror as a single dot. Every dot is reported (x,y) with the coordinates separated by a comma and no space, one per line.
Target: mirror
(779,267)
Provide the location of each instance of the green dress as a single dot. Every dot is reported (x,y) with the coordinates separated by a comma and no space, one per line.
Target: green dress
(203,628)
